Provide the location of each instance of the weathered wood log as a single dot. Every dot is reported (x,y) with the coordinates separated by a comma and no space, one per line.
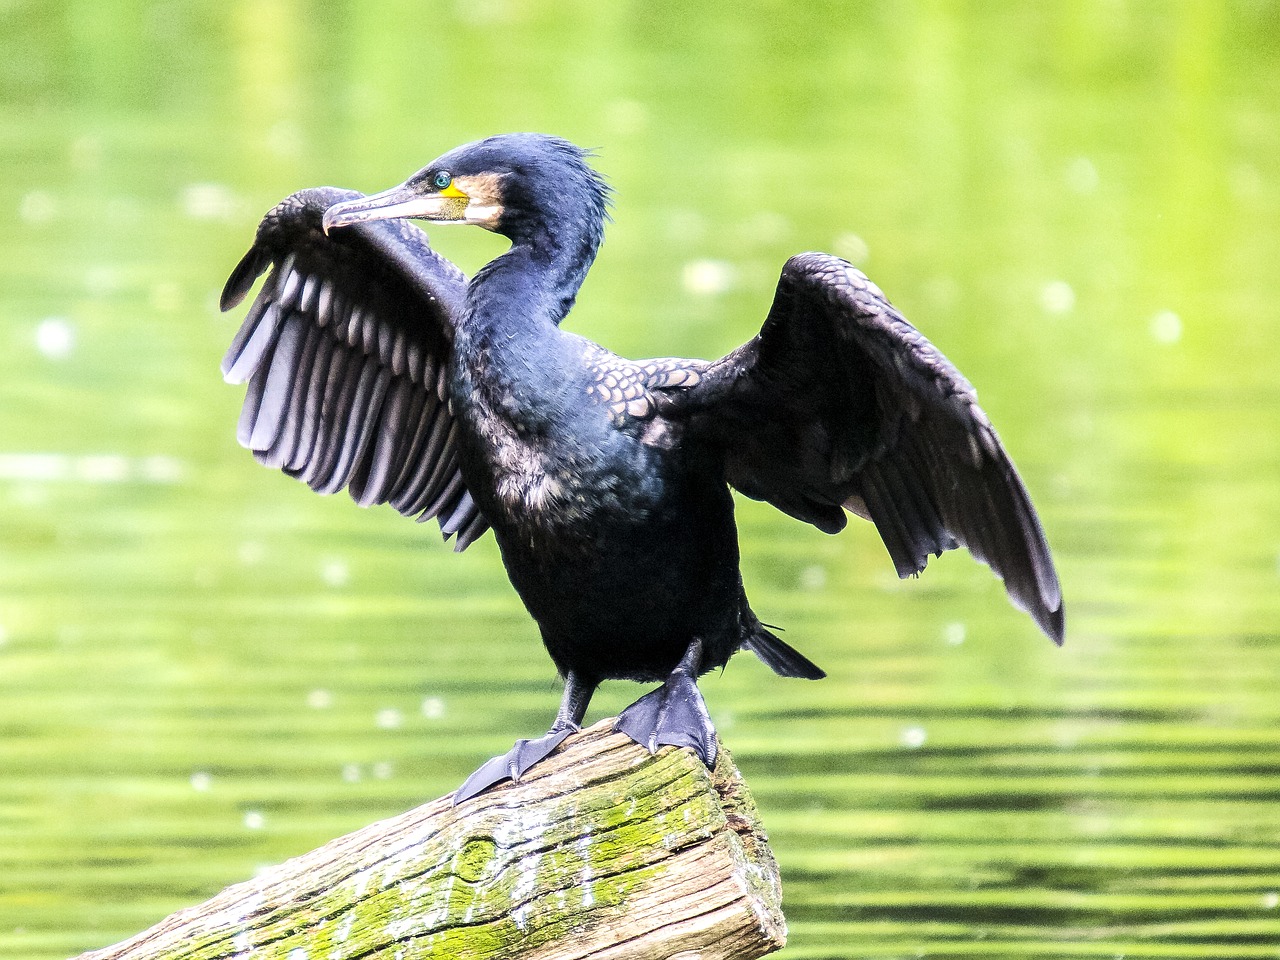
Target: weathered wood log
(602,852)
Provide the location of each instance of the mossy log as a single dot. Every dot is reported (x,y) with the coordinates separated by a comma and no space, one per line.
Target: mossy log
(602,852)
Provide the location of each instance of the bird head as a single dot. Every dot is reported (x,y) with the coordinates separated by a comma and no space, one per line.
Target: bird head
(520,185)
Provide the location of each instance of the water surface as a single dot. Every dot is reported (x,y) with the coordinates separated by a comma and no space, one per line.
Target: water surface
(204,668)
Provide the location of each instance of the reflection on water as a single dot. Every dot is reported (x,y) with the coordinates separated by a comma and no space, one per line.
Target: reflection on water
(204,668)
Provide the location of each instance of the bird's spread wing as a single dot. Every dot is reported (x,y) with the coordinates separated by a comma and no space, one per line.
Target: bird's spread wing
(344,351)
(839,402)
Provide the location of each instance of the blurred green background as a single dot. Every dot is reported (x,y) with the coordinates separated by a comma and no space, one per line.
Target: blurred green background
(205,668)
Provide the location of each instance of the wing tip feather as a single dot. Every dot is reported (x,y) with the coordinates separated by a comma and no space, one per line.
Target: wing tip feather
(246,272)
(1054,624)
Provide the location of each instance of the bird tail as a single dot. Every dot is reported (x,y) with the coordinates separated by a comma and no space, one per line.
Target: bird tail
(782,658)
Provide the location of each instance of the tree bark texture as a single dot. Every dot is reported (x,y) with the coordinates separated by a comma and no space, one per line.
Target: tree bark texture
(602,852)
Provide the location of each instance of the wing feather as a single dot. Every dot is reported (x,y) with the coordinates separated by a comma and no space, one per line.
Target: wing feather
(840,402)
(281,375)
(344,352)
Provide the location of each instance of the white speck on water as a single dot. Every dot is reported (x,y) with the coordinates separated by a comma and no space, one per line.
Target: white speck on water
(37,467)
(55,337)
(433,708)
(1057,297)
(166,296)
(942,290)
(708,278)
(254,820)
(849,246)
(285,139)
(209,201)
(297,953)
(86,153)
(913,737)
(813,577)
(1270,900)
(383,770)
(684,227)
(764,228)
(87,468)
(101,280)
(351,772)
(319,699)
(37,207)
(161,468)
(626,117)
(389,718)
(1245,181)
(201,781)
(1082,175)
(953,634)
(102,468)
(1166,327)
(335,573)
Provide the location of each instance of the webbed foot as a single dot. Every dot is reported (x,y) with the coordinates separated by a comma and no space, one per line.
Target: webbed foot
(513,764)
(675,714)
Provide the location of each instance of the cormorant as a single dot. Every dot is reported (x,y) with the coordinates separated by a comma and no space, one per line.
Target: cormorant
(374,364)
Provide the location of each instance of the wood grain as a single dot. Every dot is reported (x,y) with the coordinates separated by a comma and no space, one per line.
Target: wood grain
(602,852)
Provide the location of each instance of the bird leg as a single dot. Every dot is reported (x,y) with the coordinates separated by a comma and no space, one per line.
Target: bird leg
(513,764)
(675,713)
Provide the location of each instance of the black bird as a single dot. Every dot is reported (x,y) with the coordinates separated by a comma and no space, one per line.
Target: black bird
(374,364)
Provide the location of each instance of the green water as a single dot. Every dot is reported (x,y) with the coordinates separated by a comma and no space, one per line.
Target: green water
(204,668)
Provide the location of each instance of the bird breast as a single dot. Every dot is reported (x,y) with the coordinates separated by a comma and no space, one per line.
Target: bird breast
(554,451)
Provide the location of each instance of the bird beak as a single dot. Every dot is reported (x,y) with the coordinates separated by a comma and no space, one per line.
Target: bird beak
(399,203)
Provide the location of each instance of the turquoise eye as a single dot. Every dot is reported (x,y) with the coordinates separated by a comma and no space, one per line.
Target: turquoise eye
(442,180)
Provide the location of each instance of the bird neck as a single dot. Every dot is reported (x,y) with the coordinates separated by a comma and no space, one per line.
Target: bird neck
(535,283)
(512,360)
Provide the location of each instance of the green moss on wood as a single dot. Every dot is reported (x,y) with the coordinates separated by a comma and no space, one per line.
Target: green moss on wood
(593,841)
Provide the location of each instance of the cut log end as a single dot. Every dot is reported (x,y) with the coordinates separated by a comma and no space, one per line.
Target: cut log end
(602,853)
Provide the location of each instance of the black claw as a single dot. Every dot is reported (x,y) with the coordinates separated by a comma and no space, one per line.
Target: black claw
(513,764)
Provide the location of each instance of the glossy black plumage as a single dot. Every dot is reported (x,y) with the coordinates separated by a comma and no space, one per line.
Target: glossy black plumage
(344,351)
(373,364)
